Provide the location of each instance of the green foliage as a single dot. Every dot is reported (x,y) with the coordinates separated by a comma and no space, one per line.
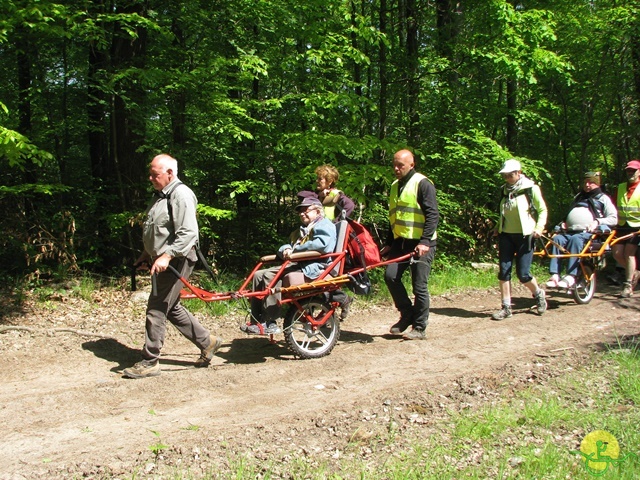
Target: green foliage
(534,433)
(158,447)
(18,150)
(252,96)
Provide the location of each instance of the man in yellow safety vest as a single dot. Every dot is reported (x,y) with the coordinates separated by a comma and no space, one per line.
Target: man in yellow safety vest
(628,203)
(413,218)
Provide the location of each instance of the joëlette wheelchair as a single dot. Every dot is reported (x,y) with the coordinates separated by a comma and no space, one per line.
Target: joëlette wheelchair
(592,259)
(311,327)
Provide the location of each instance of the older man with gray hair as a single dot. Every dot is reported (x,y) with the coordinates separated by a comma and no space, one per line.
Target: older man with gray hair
(170,234)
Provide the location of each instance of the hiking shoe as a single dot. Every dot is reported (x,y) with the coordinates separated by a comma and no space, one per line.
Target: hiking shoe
(261,329)
(415,334)
(504,312)
(399,327)
(272,329)
(143,369)
(344,308)
(541,300)
(253,328)
(207,354)
(553,281)
(567,282)
(627,291)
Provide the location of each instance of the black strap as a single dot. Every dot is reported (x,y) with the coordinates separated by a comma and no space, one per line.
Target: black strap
(593,203)
(199,253)
(528,193)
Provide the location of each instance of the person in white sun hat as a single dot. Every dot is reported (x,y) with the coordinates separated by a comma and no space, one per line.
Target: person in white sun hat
(523,215)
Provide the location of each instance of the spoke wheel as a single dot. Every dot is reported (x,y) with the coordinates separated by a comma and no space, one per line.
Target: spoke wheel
(584,288)
(303,339)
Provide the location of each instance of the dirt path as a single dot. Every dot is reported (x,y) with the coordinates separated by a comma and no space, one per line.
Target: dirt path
(66,410)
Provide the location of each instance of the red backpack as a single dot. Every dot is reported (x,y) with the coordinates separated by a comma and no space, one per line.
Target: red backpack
(362,247)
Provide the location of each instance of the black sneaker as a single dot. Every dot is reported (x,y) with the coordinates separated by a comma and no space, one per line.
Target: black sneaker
(207,354)
(399,328)
(143,369)
(616,278)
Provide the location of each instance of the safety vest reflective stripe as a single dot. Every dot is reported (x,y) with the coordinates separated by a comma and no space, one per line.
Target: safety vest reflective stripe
(628,208)
(405,215)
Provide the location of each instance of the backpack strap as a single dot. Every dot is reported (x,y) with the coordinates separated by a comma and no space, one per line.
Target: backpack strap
(596,206)
(528,193)
(199,253)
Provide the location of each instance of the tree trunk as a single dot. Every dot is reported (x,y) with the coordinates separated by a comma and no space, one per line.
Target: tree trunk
(635,53)
(97,128)
(178,99)
(447,15)
(23,52)
(413,62)
(384,81)
(512,127)
(128,117)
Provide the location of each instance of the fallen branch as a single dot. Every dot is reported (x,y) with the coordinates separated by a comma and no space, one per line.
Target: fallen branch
(555,352)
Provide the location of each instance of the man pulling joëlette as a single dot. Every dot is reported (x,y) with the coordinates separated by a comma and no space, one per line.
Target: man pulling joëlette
(170,234)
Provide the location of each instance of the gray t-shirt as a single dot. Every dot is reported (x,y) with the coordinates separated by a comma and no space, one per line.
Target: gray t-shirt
(175,236)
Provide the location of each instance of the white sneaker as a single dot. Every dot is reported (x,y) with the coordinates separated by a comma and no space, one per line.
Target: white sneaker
(553,281)
(567,282)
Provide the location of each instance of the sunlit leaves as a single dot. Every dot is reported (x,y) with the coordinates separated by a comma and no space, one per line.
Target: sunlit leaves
(19,150)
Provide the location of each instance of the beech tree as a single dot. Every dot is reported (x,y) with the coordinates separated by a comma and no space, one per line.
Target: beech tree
(251,96)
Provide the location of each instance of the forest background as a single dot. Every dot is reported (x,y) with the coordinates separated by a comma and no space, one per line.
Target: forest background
(252,95)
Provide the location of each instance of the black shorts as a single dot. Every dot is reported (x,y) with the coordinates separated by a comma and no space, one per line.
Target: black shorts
(625,229)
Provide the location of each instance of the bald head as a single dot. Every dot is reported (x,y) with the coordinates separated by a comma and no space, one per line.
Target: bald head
(403,162)
(162,170)
(167,162)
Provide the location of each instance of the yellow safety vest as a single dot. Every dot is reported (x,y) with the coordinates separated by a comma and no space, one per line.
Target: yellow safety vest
(405,215)
(628,208)
(330,210)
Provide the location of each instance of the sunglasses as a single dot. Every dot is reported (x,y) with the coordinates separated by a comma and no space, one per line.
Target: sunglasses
(307,210)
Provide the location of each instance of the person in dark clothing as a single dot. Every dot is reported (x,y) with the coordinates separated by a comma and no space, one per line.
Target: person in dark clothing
(590,209)
(413,219)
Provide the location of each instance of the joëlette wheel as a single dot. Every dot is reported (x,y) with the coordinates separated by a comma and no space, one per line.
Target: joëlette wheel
(303,339)
(584,289)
